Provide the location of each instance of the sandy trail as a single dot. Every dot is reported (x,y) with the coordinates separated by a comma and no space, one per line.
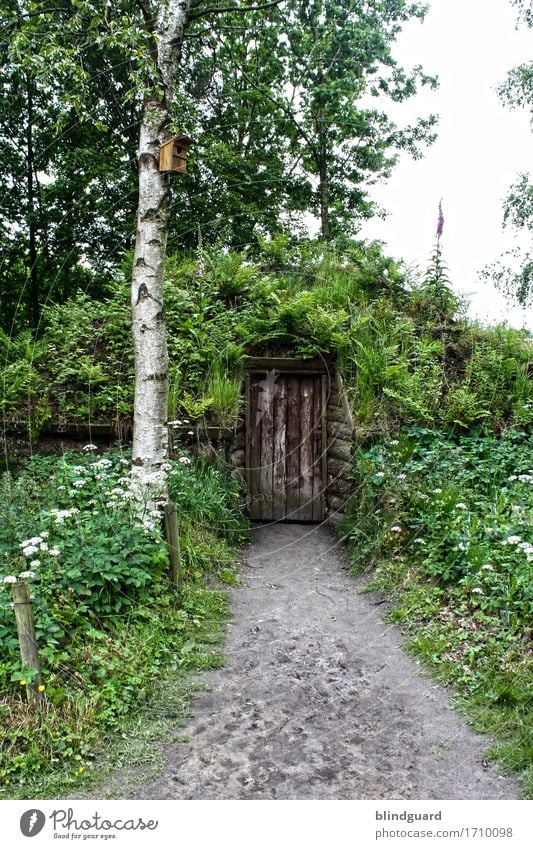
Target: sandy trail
(317,699)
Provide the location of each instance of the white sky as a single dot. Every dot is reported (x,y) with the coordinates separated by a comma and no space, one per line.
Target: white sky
(481,147)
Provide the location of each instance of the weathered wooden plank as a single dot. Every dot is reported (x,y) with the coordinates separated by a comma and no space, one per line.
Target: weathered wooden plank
(306,449)
(318,479)
(287,365)
(27,641)
(173,541)
(265,420)
(279,486)
(253,451)
(325,383)
(292,491)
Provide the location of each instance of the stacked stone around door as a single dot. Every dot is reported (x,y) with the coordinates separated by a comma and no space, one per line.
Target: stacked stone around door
(340,431)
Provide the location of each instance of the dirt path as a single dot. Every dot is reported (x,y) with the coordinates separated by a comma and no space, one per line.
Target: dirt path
(318,700)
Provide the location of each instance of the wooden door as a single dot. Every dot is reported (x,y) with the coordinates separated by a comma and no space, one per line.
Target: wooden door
(285,454)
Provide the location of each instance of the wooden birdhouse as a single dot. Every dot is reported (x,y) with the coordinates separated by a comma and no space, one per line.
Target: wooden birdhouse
(173,155)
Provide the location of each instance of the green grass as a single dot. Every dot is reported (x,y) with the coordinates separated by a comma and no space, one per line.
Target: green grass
(135,754)
(445,526)
(117,642)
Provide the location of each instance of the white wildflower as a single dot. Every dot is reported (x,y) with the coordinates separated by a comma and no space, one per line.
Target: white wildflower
(478,590)
(394,442)
(103,463)
(419,541)
(32,541)
(35,564)
(61,515)
(78,483)
(190,433)
(380,474)
(437,490)
(402,477)
(184,460)
(488,567)
(55,552)
(45,534)
(396,529)
(10,579)
(30,550)
(461,506)
(90,447)
(512,540)
(28,574)
(43,546)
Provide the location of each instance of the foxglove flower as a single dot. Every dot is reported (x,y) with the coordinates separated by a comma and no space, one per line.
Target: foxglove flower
(440,221)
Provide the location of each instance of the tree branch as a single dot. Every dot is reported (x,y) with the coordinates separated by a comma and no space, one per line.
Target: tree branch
(218,10)
(34,14)
(288,112)
(148,17)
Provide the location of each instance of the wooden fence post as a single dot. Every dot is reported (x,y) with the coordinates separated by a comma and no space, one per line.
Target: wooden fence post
(173,540)
(28,644)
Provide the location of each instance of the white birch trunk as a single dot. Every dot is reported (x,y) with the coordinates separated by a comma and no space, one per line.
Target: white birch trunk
(150,436)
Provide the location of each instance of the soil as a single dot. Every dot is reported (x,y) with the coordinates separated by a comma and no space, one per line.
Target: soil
(318,700)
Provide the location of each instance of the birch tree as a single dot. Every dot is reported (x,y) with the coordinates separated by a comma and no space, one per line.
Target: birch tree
(167,22)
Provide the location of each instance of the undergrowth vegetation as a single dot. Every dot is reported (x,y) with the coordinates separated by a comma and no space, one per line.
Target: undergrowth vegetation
(406,350)
(441,512)
(109,627)
(445,526)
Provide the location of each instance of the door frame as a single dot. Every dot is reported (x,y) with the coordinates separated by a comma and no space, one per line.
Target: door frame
(288,366)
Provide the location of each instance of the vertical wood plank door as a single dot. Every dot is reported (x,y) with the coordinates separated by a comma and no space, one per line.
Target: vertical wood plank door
(285,447)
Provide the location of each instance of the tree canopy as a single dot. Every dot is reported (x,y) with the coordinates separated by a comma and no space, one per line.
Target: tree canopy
(513,273)
(285,102)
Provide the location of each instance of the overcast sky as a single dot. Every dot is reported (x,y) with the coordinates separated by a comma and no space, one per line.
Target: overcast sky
(470,45)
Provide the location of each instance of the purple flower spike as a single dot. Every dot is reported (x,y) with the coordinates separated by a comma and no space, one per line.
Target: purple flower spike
(440,222)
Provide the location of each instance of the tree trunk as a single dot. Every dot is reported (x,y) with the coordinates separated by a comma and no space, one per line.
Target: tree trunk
(325,225)
(150,438)
(148,320)
(32,240)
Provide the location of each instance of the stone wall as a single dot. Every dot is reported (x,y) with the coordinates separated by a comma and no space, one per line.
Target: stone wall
(339,424)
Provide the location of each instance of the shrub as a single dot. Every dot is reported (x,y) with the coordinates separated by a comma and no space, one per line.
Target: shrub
(108,625)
